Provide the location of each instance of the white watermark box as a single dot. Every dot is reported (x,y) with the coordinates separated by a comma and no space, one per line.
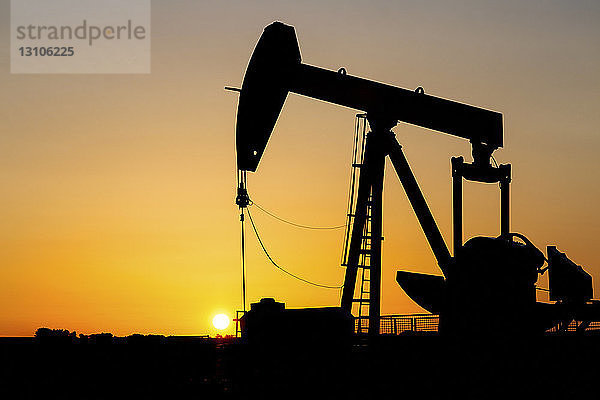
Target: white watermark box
(80,36)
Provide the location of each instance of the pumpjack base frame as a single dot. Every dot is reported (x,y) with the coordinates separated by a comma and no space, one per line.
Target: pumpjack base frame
(381,143)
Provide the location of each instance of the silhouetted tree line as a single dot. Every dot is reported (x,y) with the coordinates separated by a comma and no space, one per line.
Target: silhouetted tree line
(59,363)
(47,335)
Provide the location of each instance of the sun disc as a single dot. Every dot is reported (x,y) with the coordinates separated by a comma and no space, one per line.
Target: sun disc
(220,321)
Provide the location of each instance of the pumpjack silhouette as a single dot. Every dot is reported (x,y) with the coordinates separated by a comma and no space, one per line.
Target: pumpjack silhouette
(488,286)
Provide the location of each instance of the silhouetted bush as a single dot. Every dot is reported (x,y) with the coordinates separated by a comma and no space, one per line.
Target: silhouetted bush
(101,338)
(55,336)
(137,338)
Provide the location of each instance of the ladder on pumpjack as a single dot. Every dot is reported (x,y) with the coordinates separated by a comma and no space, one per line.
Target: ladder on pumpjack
(363,300)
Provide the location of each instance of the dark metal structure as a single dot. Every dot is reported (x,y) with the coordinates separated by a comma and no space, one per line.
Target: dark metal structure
(509,267)
(471,172)
(275,69)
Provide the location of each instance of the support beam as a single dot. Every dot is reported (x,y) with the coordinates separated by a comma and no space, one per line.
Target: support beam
(505,202)
(419,205)
(458,119)
(377,172)
(457,204)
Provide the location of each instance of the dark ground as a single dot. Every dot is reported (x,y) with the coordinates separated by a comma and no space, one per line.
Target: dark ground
(401,367)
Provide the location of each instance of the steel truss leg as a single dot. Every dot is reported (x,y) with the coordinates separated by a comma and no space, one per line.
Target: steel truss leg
(370,182)
(360,216)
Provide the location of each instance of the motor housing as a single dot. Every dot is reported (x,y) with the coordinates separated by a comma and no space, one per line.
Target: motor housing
(490,289)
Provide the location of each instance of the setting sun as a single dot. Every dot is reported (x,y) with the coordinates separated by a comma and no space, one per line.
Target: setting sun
(220,321)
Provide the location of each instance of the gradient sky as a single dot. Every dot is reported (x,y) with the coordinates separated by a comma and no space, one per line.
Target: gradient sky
(117,191)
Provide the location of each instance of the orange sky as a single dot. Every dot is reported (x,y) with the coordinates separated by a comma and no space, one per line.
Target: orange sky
(117,191)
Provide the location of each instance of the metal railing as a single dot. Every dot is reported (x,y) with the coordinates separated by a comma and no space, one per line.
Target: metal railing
(575,326)
(413,323)
(399,324)
(428,323)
